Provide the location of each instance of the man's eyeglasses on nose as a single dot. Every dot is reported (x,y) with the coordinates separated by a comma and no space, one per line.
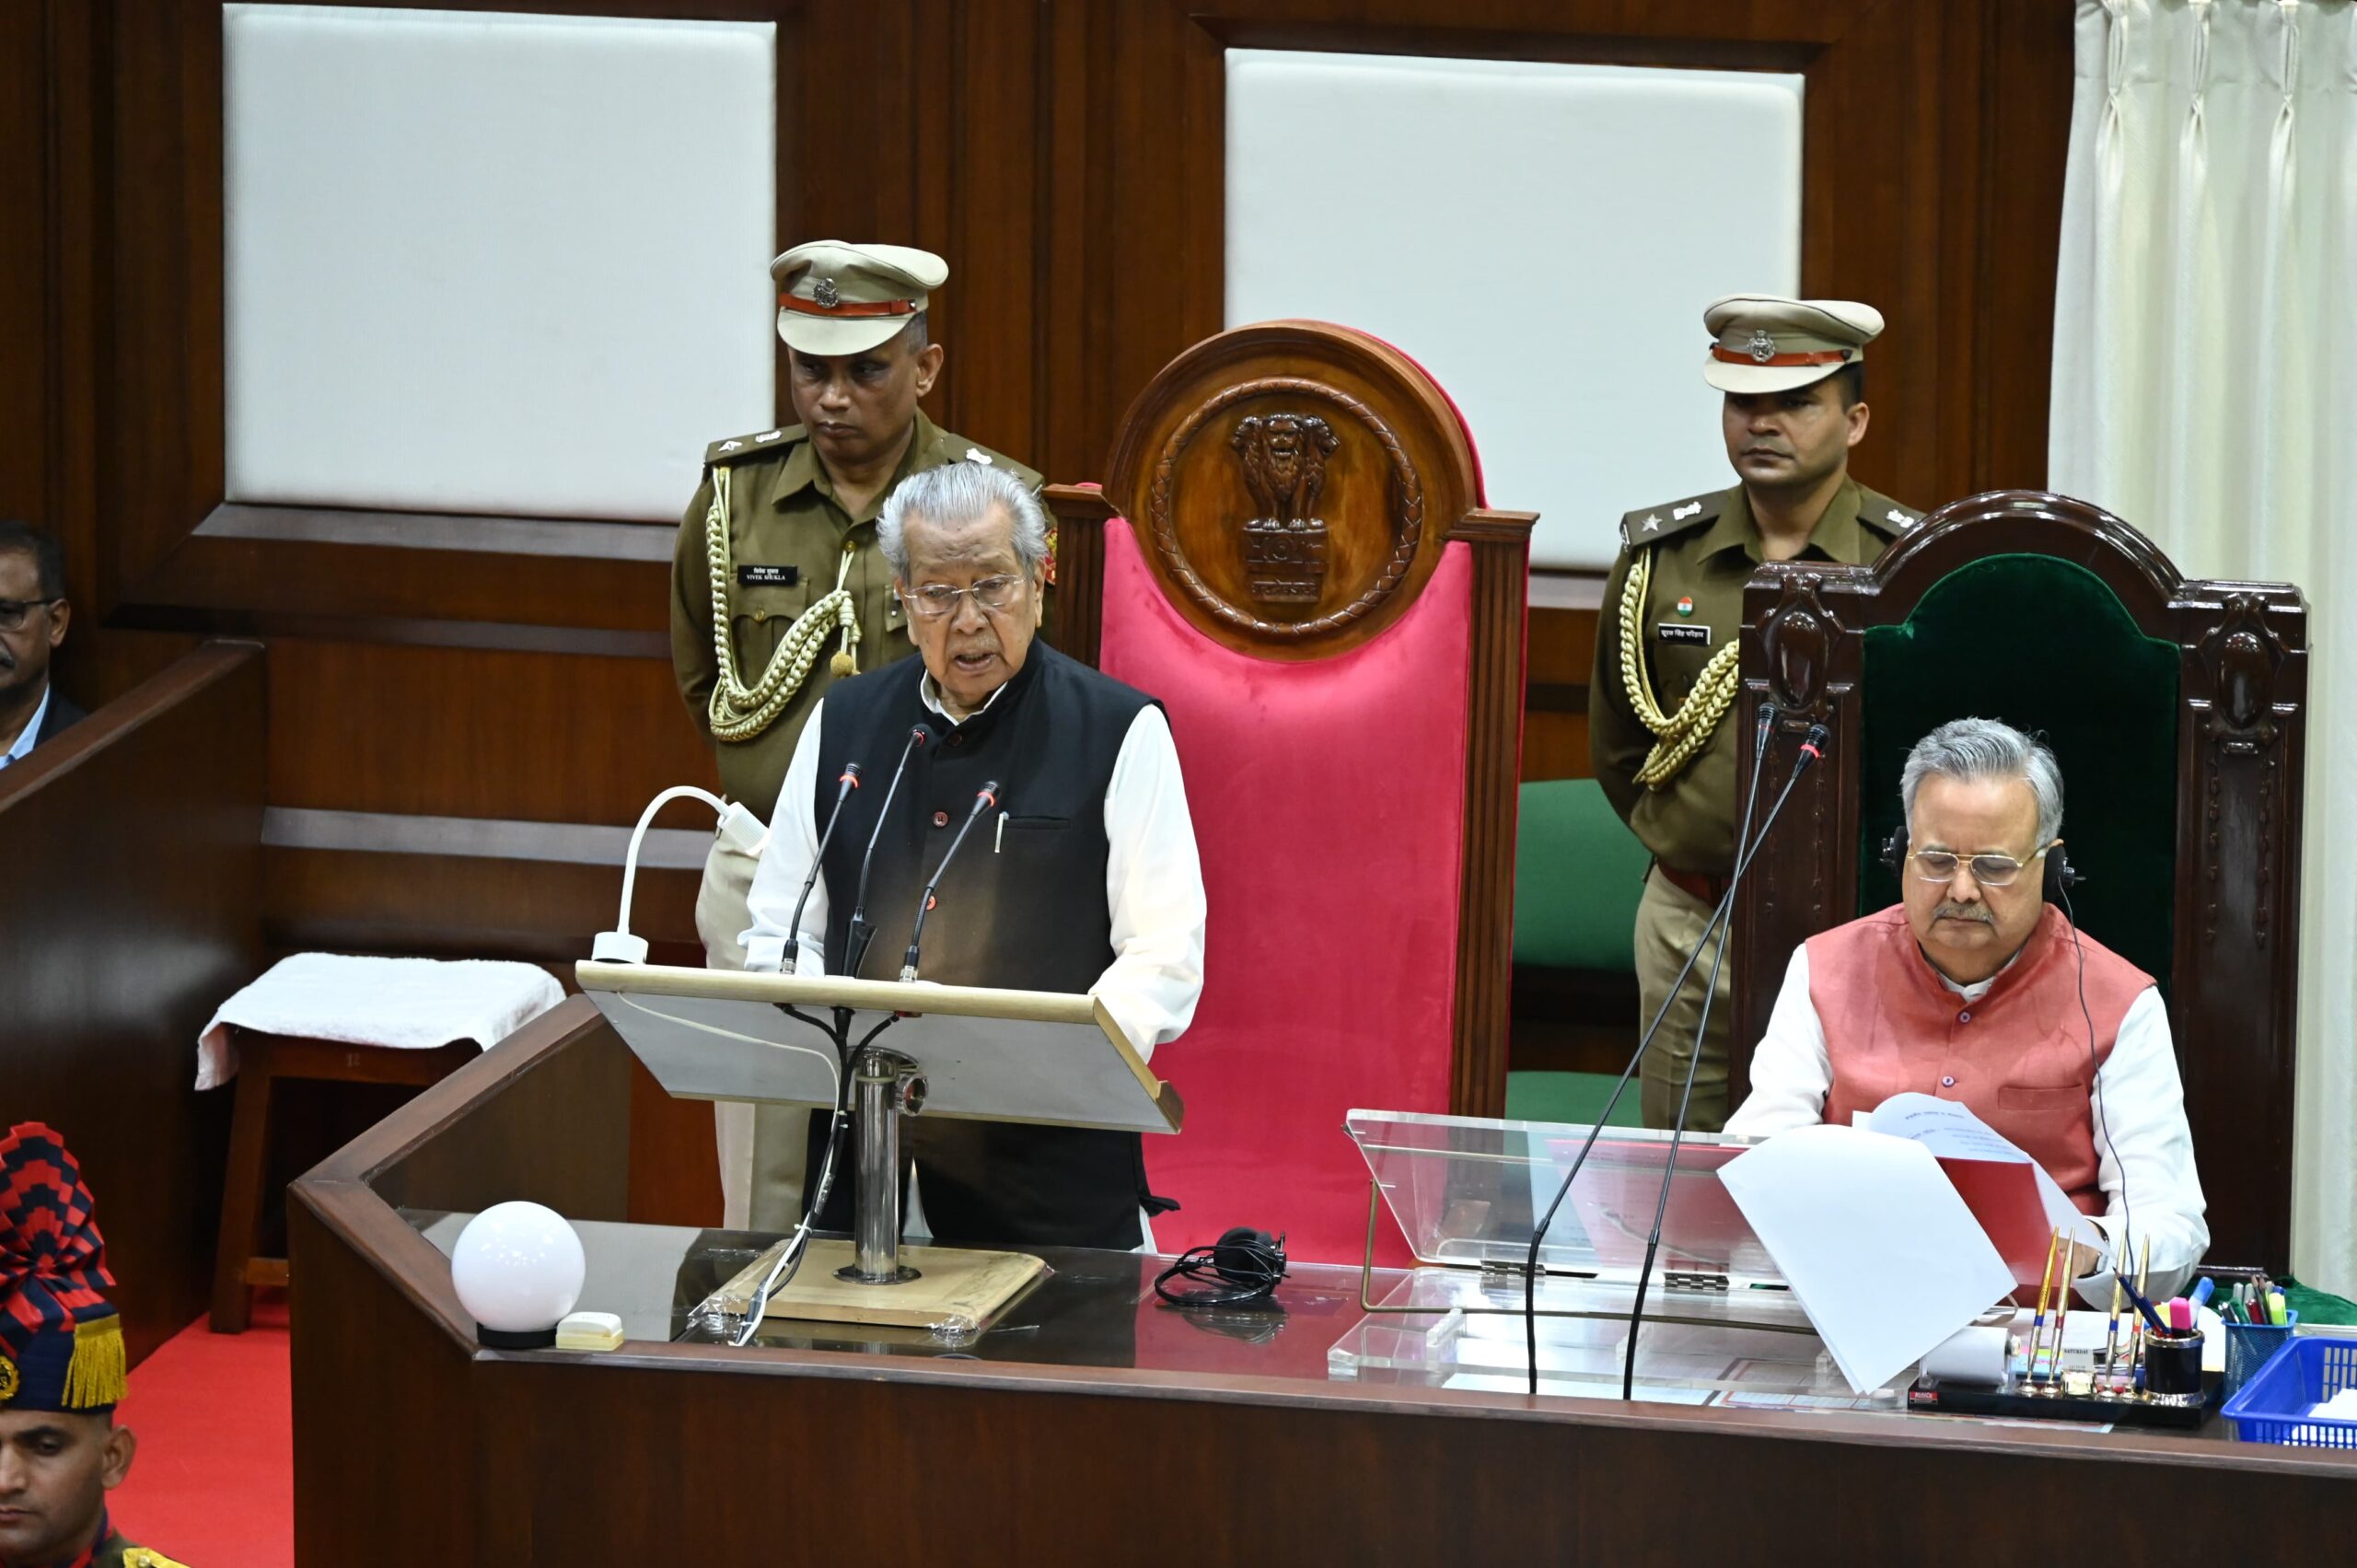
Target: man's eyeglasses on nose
(1989,870)
(936,600)
(14,610)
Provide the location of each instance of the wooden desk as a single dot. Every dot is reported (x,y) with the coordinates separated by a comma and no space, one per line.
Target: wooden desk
(1096,1427)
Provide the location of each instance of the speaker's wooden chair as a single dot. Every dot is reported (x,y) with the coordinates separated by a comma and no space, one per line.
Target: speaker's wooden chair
(1292,551)
(2177,712)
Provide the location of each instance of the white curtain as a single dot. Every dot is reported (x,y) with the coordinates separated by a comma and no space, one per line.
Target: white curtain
(2205,390)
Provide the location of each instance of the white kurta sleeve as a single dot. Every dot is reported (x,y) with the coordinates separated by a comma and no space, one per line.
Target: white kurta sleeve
(1154,891)
(1790,1070)
(777,881)
(2144,1158)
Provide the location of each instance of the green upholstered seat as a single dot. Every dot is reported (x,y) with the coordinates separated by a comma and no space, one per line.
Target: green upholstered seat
(1572,1097)
(2045,645)
(1578,873)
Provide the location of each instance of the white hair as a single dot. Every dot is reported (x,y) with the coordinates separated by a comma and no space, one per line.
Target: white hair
(1972,749)
(963,492)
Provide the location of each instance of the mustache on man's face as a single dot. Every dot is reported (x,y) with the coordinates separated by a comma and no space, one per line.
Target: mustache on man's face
(1965,912)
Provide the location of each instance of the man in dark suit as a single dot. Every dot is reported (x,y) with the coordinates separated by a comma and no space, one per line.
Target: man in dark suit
(33,613)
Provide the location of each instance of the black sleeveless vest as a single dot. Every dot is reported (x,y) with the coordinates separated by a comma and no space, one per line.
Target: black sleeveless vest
(1022,908)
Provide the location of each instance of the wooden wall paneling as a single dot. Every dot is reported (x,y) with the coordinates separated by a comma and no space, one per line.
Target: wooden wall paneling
(26,368)
(462,732)
(133,842)
(463,906)
(2015,233)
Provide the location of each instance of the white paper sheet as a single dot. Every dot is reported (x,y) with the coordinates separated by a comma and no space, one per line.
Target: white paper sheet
(1952,1131)
(1880,1252)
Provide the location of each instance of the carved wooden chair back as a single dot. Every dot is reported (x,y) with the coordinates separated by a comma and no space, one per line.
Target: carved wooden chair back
(1292,553)
(2177,712)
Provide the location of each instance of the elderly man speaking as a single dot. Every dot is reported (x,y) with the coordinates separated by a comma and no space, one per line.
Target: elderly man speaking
(1976,989)
(1081,876)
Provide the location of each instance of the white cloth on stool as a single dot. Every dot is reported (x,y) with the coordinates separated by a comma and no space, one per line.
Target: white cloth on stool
(399,1004)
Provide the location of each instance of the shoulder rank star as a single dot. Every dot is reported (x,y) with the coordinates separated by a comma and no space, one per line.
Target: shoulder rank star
(1653,522)
(730,445)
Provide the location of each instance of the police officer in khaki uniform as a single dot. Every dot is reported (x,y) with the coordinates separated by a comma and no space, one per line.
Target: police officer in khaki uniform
(777,590)
(1665,676)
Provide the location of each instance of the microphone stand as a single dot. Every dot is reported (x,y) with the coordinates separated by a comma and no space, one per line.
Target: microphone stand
(1718,918)
(1812,748)
(792,955)
(985,796)
(860,932)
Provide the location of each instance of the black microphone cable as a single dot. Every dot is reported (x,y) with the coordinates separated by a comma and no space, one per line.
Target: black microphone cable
(1812,748)
(790,955)
(985,797)
(860,932)
(1718,917)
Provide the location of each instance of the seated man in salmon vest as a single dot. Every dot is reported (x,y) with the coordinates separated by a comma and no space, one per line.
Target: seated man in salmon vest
(1969,990)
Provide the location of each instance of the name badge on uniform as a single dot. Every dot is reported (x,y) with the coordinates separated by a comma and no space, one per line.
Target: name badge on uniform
(768,577)
(1671,632)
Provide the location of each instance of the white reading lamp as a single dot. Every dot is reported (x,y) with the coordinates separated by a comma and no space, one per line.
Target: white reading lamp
(738,825)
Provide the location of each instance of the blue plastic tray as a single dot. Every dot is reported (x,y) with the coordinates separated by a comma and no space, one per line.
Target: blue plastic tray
(2273,1406)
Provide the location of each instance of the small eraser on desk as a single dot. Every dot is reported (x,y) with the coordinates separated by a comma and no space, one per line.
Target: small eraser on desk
(589,1330)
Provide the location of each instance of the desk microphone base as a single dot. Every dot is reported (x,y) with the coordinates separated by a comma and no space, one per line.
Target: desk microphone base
(955,1290)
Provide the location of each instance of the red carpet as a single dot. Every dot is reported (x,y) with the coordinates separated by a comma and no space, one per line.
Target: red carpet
(213,1483)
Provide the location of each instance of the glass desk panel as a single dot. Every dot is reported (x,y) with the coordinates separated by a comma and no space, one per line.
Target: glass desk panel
(1465,1190)
(1094,1308)
(1466,1331)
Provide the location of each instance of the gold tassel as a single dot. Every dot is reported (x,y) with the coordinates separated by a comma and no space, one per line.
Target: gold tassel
(96,1378)
(842,663)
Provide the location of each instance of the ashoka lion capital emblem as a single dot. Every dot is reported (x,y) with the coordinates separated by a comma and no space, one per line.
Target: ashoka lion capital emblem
(1285,466)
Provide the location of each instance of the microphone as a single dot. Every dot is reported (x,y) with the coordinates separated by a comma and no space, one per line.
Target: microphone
(861,932)
(844,786)
(984,798)
(1812,748)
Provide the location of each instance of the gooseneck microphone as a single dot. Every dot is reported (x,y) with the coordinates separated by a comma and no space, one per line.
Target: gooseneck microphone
(844,786)
(860,932)
(984,798)
(1811,749)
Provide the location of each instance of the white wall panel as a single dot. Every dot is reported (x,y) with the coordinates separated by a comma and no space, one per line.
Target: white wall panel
(1543,237)
(492,263)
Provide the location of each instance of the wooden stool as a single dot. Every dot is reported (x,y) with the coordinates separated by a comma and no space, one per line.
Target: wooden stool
(262,1060)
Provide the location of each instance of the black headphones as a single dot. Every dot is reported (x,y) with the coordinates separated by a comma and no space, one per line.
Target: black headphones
(1247,1263)
(2060,875)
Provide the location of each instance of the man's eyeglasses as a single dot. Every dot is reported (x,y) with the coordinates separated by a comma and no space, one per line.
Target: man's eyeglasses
(1989,870)
(938,599)
(14,610)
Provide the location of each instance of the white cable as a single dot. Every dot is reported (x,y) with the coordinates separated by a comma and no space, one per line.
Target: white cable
(736,824)
(834,1068)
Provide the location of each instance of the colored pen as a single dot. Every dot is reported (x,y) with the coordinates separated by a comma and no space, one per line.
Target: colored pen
(2112,1339)
(2037,1321)
(2203,1288)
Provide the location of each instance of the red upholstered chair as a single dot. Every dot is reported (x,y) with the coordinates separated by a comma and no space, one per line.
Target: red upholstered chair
(1292,553)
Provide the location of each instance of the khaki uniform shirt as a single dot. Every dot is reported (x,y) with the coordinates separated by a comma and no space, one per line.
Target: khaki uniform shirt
(787,535)
(1705,550)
